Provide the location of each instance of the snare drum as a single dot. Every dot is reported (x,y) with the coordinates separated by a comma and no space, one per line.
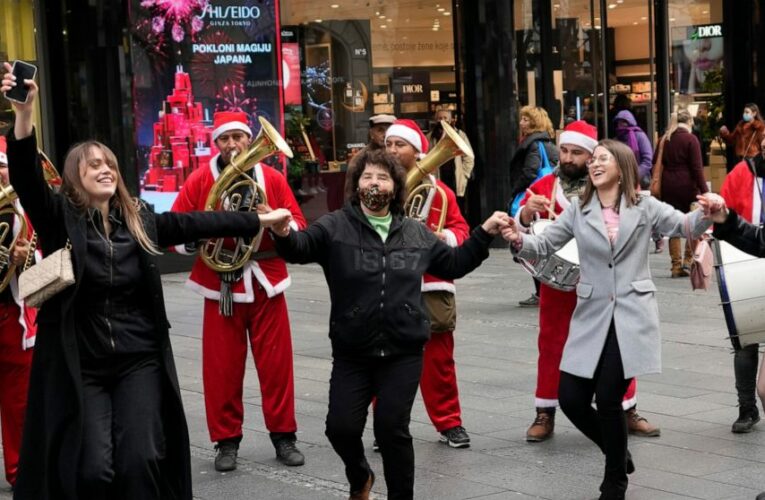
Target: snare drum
(742,293)
(561,269)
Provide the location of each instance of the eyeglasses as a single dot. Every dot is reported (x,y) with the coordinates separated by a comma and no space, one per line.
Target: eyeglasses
(599,160)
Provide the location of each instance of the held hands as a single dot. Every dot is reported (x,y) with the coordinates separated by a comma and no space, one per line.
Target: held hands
(278,220)
(496,222)
(9,81)
(713,206)
(510,233)
(20,252)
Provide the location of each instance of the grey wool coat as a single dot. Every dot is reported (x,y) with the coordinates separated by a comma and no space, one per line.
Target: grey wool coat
(614,282)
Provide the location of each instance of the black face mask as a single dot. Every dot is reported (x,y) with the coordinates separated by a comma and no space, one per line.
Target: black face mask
(375,199)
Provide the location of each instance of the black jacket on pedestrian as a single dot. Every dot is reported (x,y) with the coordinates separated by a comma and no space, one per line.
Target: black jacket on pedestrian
(748,238)
(52,437)
(375,287)
(526,161)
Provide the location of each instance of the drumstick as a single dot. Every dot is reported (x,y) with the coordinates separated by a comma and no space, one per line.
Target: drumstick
(550,213)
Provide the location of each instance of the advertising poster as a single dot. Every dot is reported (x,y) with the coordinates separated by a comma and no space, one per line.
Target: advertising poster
(696,51)
(191,58)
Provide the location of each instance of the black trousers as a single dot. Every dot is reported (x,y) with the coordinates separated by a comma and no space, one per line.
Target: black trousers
(606,427)
(123,439)
(393,381)
(745,364)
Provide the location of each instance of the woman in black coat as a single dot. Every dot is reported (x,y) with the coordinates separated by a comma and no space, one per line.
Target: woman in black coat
(104,415)
(374,259)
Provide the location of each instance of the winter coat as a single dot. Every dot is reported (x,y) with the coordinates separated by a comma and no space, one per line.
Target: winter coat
(746,138)
(683,175)
(50,450)
(526,161)
(615,280)
(375,287)
(643,149)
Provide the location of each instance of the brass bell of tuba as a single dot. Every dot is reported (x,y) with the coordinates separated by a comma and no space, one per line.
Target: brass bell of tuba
(8,198)
(234,188)
(450,146)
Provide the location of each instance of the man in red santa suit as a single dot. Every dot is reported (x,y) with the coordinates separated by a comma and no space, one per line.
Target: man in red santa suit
(742,191)
(248,303)
(438,383)
(17,333)
(556,307)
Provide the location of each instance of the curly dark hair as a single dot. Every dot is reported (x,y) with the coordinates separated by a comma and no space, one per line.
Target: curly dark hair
(386,161)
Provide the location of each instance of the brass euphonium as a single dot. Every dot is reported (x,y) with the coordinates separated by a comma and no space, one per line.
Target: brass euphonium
(235,187)
(8,198)
(450,146)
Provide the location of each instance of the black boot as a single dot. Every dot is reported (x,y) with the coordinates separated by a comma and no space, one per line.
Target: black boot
(747,417)
(286,451)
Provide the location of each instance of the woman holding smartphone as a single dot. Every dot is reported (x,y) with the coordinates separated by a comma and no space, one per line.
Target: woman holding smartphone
(104,416)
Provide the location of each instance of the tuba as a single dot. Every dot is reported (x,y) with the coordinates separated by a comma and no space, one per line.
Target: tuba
(8,198)
(450,146)
(235,190)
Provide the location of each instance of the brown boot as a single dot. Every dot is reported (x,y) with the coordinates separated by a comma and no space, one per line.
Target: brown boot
(639,426)
(676,255)
(363,493)
(543,426)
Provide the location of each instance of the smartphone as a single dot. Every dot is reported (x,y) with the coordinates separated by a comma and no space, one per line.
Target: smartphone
(22,71)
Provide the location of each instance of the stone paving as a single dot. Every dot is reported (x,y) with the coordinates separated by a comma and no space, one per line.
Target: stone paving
(693,401)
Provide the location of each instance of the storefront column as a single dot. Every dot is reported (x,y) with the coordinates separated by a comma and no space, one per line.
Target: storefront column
(663,87)
(484,35)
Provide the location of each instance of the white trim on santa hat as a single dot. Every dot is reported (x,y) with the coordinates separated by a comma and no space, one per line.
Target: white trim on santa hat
(4,158)
(226,127)
(406,133)
(578,139)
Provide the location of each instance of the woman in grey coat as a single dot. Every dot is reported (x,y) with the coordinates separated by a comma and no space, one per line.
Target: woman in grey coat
(614,333)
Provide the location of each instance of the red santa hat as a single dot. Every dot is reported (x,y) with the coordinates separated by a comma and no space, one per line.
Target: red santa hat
(225,121)
(3,150)
(580,133)
(410,132)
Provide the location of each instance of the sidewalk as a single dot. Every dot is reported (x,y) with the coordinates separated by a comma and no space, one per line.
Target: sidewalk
(693,401)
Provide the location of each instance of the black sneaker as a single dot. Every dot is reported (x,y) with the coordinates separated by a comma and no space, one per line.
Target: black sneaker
(532,301)
(225,460)
(287,453)
(747,417)
(456,437)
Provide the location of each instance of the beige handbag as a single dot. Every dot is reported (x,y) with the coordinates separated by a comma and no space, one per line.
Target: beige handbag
(47,278)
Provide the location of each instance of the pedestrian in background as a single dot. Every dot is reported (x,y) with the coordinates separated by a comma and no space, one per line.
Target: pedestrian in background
(536,151)
(682,180)
(747,134)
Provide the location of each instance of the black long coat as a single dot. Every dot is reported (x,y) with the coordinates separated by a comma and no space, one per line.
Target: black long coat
(52,438)
(526,161)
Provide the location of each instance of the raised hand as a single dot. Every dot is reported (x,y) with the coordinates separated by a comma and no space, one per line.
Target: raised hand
(9,82)
(537,203)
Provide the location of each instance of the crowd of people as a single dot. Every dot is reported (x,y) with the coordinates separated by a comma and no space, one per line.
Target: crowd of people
(103,413)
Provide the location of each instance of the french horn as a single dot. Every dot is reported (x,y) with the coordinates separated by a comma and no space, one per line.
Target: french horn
(236,190)
(450,146)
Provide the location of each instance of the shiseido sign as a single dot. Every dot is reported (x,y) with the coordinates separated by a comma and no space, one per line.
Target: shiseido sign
(231,12)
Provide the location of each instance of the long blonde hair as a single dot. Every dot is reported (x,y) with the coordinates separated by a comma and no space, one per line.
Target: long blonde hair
(628,168)
(71,187)
(540,121)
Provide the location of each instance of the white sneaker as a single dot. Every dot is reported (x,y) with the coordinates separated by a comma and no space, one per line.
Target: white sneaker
(301,192)
(313,190)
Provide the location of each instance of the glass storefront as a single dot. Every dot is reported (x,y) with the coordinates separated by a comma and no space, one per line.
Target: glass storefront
(17,41)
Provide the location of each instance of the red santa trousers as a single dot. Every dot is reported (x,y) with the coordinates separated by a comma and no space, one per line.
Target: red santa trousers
(555,311)
(224,356)
(438,383)
(15,364)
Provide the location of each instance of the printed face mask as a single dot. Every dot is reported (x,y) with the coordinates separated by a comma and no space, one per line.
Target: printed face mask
(375,199)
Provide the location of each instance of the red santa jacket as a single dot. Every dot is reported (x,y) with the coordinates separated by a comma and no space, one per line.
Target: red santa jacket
(456,230)
(741,193)
(544,186)
(27,315)
(271,273)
